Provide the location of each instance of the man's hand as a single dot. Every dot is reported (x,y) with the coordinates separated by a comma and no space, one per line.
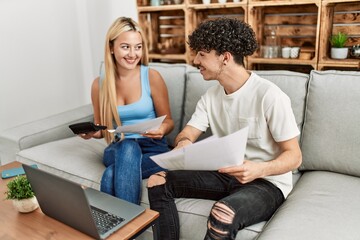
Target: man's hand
(247,172)
(182,143)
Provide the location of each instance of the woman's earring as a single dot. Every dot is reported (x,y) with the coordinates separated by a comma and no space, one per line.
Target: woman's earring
(112,52)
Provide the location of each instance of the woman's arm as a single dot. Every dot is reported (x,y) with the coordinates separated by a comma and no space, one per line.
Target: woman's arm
(159,94)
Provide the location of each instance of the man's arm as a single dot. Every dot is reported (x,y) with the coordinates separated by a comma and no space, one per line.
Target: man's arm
(187,136)
(288,160)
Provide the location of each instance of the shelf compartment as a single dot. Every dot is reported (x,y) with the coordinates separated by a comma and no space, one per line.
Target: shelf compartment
(253,61)
(282,2)
(165,33)
(145,4)
(343,64)
(215,3)
(337,17)
(296,26)
(199,15)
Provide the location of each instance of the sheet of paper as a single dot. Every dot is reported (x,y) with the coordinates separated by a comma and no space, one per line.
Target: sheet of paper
(173,160)
(209,154)
(221,152)
(141,127)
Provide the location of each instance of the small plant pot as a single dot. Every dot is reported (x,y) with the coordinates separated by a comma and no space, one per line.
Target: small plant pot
(26,205)
(339,53)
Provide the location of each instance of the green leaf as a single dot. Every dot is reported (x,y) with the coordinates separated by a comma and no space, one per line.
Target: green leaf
(338,40)
(19,188)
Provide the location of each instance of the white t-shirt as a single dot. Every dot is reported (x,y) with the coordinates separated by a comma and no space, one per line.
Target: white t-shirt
(263,107)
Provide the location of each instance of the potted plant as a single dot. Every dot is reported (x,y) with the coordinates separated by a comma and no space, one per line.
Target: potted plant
(20,192)
(338,49)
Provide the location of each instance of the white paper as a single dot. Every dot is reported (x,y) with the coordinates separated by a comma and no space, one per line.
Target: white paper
(141,127)
(209,154)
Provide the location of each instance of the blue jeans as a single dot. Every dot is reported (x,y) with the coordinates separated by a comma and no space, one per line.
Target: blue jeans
(127,162)
(251,203)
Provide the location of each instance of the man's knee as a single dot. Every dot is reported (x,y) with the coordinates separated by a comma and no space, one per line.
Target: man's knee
(156,179)
(221,218)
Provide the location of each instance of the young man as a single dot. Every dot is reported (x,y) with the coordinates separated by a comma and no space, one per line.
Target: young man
(251,192)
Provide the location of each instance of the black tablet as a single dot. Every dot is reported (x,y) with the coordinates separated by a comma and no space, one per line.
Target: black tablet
(85,127)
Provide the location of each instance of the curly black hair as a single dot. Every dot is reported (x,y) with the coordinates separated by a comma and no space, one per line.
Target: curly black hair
(224,35)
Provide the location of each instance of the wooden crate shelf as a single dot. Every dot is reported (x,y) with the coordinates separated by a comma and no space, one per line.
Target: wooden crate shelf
(337,17)
(201,14)
(296,61)
(217,5)
(146,3)
(282,2)
(165,32)
(307,24)
(160,8)
(216,2)
(295,26)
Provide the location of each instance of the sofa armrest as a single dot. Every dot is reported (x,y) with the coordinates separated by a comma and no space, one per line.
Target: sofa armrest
(48,129)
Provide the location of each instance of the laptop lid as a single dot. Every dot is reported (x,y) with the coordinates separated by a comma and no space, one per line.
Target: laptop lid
(69,202)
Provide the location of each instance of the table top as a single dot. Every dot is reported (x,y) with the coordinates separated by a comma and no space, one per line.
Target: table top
(36,225)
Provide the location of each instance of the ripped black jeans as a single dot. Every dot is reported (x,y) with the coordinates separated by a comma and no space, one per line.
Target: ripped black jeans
(250,203)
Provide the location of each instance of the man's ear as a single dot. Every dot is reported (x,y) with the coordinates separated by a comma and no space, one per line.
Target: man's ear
(227,57)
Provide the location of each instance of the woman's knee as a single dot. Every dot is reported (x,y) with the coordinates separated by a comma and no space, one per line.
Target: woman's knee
(129,147)
(157,179)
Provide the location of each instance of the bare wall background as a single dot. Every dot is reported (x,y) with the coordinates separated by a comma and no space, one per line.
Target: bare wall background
(49,54)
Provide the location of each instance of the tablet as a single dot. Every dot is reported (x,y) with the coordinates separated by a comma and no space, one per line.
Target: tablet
(85,127)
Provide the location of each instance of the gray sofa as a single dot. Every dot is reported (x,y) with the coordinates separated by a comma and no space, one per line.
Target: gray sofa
(325,202)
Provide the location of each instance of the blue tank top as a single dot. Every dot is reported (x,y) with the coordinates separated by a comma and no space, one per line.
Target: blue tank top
(141,110)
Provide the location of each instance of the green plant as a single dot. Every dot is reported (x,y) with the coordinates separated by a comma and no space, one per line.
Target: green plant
(338,40)
(19,188)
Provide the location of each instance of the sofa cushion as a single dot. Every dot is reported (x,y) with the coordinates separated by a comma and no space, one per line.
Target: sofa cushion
(331,132)
(72,158)
(174,77)
(323,206)
(42,131)
(294,84)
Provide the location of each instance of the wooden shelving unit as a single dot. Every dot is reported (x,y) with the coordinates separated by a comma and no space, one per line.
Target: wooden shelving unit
(297,25)
(344,16)
(307,24)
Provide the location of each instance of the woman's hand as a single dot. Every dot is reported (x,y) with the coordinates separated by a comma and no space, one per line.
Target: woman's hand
(87,136)
(156,134)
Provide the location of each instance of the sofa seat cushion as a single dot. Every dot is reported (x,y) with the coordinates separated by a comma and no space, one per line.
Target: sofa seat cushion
(72,158)
(322,206)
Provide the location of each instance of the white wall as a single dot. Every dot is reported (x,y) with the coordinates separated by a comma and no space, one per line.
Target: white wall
(49,54)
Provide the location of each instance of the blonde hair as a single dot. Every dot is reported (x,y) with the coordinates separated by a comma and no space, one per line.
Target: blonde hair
(108,102)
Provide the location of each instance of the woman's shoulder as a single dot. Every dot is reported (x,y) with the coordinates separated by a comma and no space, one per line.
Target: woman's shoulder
(154,74)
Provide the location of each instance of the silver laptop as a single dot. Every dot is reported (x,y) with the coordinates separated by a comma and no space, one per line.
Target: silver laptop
(84,209)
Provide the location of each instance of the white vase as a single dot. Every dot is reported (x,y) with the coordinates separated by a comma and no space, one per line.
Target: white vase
(26,205)
(206,1)
(339,53)
(222,1)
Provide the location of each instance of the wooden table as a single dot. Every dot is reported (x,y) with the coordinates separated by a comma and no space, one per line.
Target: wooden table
(36,225)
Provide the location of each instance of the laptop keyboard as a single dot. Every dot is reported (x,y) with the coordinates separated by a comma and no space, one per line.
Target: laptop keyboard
(105,221)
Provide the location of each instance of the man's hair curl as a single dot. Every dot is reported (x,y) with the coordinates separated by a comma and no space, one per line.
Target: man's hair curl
(224,35)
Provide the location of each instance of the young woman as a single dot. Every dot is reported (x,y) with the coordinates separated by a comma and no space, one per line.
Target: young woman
(128,93)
